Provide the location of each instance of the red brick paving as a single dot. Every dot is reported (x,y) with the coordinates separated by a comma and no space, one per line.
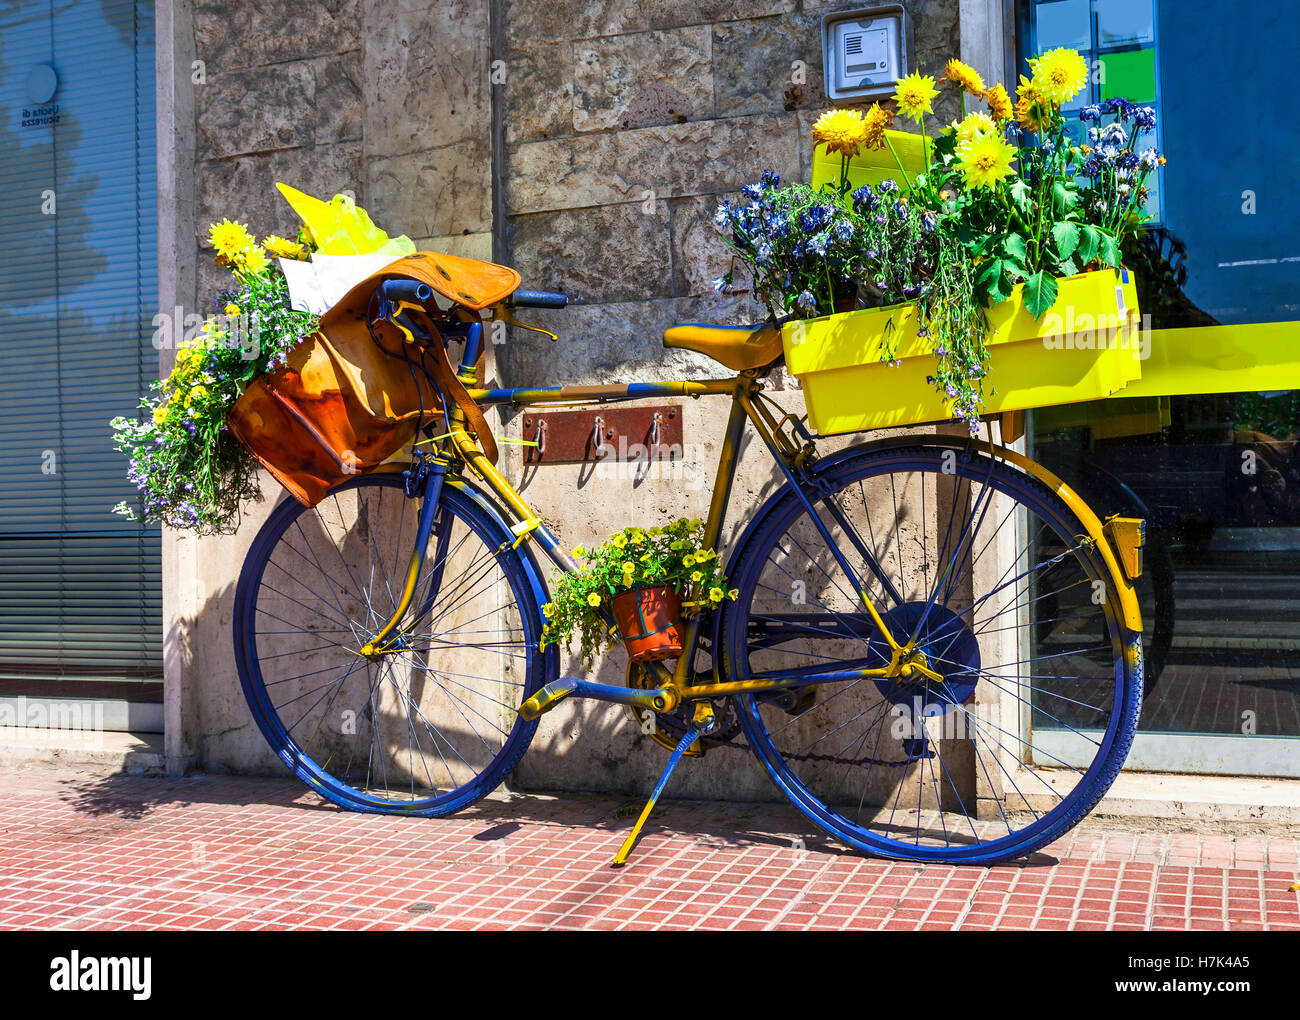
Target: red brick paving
(81,852)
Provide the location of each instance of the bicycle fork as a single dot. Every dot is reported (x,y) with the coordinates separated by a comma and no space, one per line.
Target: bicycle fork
(429,475)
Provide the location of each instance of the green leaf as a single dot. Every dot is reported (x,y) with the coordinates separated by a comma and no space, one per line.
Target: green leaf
(1068,268)
(990,269)
(1108,250)
(998,289)
(1066,236)
(1020,195)
(1064,197)
(1014,245)
(1040,293)
(1089,238)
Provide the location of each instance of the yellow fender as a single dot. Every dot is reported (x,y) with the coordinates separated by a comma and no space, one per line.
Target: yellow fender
(1130,610)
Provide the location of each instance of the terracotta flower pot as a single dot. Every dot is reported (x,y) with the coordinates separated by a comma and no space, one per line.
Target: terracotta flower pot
(649,621)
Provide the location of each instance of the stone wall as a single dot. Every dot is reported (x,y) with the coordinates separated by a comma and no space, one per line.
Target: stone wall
(626,123)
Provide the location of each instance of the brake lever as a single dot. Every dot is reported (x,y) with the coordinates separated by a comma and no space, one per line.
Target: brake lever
(500,313)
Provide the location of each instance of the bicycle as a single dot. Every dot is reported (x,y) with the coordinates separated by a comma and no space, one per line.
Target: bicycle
(881,658)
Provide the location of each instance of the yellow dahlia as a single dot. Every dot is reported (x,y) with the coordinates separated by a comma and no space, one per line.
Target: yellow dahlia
(1030,107)
(840,131)
(877,121)
(964,77)
(283,248)
(984,161)
(230,239)
(1059,75)
(253,260)
(975,125)
(999,102)
(914,94)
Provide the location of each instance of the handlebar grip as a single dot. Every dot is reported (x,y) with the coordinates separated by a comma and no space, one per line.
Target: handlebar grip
(537,299)
(411,291)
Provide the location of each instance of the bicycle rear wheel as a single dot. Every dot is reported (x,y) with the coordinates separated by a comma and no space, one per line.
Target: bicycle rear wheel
(1028,724)
(430,727)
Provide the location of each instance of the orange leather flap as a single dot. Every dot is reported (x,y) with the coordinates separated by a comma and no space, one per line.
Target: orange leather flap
(469,282)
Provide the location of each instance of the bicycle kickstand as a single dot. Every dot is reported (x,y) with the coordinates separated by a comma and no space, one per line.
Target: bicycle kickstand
(704,722)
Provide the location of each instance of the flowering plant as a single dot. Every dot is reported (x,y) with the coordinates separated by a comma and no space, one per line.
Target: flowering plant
(1027,203)
(983,215)
(674,556)
(189,470)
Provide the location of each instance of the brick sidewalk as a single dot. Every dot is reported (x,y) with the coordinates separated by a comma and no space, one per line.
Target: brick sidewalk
(84,852)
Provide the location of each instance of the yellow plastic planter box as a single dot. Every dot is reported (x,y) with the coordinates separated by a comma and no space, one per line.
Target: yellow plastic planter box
(1084,348)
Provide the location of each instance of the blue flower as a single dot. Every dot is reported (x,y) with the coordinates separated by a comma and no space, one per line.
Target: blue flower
(814,218)
(763,254)
(1144,118)
(1091,112)
(864,199)
(929,220)
(806,303)
(722,216)
(771,179)
(887,185)
(754,191)
(1148,160)
(778,225)
(722,284)
(844,231)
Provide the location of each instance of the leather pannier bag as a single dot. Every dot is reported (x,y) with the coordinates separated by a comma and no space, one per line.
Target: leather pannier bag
(340,406)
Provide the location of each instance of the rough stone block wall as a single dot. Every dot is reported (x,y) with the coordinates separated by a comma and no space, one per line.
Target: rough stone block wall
(626,123)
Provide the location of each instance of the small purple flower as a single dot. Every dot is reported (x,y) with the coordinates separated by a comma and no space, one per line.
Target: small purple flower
(806,303)
(887,185)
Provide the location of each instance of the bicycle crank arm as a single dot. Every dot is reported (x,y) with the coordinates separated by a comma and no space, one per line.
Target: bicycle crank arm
(662,699)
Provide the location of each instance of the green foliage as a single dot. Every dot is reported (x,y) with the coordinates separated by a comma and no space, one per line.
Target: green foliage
(632,558)
(190,471)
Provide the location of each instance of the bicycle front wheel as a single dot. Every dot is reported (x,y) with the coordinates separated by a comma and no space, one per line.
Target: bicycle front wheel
(428,727)
(1017,726)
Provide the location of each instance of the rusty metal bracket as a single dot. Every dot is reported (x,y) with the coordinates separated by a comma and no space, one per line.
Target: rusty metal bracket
(652,433)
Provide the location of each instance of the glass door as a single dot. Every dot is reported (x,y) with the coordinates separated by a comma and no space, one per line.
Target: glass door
(1215,474)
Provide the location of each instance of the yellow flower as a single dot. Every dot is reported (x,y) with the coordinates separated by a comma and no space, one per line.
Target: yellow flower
(628,567)
(253,260)
(646,556)
(984,161)
(620,541)
(230,239)
(1029,106)
(159,413)
(914,94)
(593,599)
(999,102)
(733,594)
(875,123)
(688,560)
(282,248)
(232,309)
(716,594)
(975,125)
(656,532)
(548,610)
(638,537)
(840,131)
(696,576)
(964,77)
(195,393)
(579,552)
(1059,75)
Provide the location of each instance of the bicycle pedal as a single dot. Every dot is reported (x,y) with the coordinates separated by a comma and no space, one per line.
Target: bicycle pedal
(548,697)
